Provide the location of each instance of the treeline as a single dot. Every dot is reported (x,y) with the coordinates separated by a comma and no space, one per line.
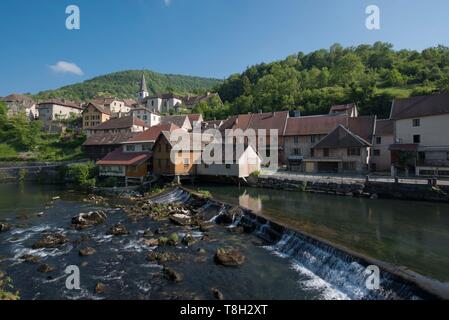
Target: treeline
(370,75)
(126,84)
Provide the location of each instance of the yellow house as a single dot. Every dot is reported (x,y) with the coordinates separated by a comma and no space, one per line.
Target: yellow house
(95,114)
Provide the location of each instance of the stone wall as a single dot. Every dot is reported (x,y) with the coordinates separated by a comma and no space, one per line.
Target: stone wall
(366,189)
(37,174)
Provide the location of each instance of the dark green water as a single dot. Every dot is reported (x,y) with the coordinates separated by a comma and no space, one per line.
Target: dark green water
(407,233)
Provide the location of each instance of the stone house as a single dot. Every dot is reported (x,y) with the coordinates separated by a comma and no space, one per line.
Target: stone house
(58,109)
(99,145)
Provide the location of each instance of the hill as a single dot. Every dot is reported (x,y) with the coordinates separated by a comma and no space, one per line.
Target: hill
(370,75)
(125,84)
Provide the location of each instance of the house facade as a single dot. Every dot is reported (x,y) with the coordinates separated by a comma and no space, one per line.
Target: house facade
(54,110)
(117,107)
(94,115)
(146,115)
(421,129)
(383,139)
(341,151)
(97,146)
(163,103)
(118,125)
(182,121)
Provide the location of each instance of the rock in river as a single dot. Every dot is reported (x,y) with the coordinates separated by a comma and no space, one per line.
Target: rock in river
(181,219)
(30,258)
(4,227)
(51,240)
(88,251)
(217,294)
(85,220)
(118,230)
(229,257)
(100,288)
(45,268)
(172,275)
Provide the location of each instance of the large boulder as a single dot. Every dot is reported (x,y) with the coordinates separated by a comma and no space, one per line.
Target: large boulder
(85,220)
(229,257)
(172,275)
(51,240)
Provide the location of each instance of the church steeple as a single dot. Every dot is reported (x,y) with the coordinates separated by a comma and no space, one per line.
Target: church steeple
(143,93)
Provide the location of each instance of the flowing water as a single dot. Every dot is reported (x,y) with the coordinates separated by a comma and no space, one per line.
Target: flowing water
(284,267)
(405,233)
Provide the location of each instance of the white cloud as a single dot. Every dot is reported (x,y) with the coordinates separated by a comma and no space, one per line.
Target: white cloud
(67,67)
(167,2)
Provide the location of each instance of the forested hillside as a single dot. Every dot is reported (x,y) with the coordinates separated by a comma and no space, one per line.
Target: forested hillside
(371,75)
(125,84)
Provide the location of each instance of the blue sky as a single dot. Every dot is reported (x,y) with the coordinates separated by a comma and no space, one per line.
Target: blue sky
(213,38)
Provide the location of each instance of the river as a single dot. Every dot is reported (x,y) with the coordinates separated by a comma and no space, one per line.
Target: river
(412,234)
(407,233)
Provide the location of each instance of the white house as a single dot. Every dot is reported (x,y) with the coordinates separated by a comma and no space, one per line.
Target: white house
(18,103)
(421,132)
(149,117)
(241,167)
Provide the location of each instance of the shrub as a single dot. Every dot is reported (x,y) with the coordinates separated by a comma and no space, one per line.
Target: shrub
(255,174)
(5,286)
(82,174)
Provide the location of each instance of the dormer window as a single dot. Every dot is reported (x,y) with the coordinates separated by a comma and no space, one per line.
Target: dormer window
(416,122)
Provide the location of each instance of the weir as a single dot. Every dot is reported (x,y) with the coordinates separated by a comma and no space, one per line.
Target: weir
(340,268)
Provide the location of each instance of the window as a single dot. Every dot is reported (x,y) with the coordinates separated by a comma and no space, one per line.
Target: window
(379,140)
(186,163)
(416,138)
(130,148)
(228,166)
(349,166)
(312,152)
(326,152)
(146,147)
(297,152)
(353,151)
(296,139)
(312,139)
(416,122)
(376,153)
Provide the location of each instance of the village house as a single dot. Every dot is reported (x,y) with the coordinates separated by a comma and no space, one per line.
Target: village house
(118,125)
(19,103)
(130,165)
(58,109)
(264,121)
(163,103)
(95,114)
(341,151)
(241,166)
(97,146)
(127,160)
(304,133)
(421,131)
(146,115)
(182,121)
(384,137)
(117,107)
(185,162)
(195,120)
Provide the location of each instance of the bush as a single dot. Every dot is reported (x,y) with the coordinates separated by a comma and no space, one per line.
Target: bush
(82,174)
(255,174)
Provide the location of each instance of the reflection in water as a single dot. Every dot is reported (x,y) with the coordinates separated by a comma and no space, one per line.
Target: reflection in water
(412,234)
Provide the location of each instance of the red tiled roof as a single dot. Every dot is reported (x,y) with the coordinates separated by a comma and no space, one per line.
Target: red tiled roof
(420,106)
(153,133)
(100,139)
(118,157)
(62,102)
(121,123)
(363,126)
(100,108)
(314,125)
(256,121)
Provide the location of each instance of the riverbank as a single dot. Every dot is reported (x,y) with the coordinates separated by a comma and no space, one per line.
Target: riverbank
(354,188)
